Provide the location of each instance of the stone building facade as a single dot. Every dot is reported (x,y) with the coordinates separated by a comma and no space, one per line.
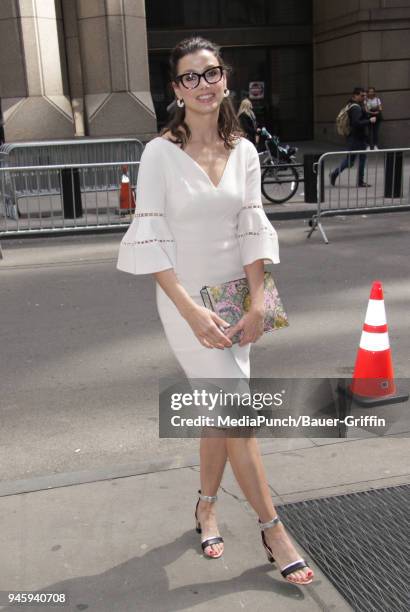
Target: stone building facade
(75,68)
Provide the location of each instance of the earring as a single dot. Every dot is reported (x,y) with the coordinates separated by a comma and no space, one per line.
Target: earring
(180,102)
(226,93)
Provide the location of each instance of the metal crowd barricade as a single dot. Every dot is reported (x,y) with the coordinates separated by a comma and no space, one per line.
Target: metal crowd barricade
(75,151)
(387,172)
(60,152)
(89,202)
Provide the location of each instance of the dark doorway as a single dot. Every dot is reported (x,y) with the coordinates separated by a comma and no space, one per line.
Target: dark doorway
(286,107)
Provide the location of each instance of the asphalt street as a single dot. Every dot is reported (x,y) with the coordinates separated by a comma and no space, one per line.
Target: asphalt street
(83,347)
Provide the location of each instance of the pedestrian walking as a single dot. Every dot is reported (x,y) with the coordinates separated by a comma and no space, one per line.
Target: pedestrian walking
(200,221)
(247,119)
(356,139)
(374,108)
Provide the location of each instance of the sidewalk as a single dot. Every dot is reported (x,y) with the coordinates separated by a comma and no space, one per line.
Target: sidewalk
(129,544)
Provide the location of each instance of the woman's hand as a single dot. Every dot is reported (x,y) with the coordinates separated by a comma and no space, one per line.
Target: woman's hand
(205,325)
(251,325)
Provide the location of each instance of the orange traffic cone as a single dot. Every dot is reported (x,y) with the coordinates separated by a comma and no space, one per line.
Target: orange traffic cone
(127,196)
(373,377)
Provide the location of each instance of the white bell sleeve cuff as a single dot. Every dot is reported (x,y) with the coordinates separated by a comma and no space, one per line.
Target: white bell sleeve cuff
(257,238)
(256,235)
(148,245)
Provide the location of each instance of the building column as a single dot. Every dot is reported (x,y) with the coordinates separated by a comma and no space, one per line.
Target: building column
(114,57)
(74,67)
(33,84)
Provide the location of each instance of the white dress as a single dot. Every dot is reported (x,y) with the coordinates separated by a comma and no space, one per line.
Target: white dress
(206,233)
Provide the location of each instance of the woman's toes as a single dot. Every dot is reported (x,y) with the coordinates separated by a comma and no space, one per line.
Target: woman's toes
(307,573)
(300,576)
(304,575)
(217,549)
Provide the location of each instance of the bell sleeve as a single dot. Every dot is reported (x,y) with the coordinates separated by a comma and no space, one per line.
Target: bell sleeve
(257,237)
(148,245)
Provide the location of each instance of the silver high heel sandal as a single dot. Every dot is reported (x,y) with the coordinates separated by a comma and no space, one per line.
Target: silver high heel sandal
(211,540)
(291,567)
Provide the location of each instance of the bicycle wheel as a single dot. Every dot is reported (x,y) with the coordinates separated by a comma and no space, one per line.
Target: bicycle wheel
(280,183)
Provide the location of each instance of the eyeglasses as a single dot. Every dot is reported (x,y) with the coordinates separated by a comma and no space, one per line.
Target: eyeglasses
(190,80)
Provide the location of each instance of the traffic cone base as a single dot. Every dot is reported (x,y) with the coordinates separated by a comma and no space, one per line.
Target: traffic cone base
(377,392)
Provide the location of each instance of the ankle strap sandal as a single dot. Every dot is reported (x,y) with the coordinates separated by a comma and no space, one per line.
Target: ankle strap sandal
(291,567)
(212,539)
(270,523)
(207,498)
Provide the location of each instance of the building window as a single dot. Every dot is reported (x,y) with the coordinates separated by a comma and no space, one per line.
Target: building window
(289,12)
(227,13)
(182,14)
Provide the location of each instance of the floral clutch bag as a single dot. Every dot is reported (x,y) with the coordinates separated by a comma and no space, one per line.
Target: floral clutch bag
(232,300)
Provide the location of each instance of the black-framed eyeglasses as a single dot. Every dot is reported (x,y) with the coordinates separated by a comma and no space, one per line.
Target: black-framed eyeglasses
(190,80)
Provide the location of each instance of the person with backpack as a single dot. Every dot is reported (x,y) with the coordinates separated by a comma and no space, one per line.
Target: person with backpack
(352,122)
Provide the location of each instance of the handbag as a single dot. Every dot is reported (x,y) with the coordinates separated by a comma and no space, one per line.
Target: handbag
(231,300)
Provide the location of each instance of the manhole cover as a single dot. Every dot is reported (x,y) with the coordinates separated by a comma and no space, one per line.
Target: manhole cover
(361,542)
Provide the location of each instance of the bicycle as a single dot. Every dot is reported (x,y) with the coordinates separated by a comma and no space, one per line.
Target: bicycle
(280,178)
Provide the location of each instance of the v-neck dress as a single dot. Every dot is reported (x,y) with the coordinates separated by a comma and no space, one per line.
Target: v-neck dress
(206,233)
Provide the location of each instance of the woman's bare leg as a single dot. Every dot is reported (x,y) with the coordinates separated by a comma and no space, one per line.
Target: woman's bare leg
(213,456)
(247,466)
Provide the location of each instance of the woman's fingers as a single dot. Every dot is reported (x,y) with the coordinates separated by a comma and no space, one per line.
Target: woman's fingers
(252,330)
(218,320)
(206,326)
(218,338)
(215,335)
(212,337)
(246,339)
(235,329)
(249,338)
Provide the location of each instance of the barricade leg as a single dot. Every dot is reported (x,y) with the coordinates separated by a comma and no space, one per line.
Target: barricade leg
(315,223)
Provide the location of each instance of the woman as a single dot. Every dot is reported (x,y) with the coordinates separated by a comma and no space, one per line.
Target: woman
(200,221)
(374,108)
(248,122)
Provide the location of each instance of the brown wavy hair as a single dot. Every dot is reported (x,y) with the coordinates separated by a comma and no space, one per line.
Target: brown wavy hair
(229,128)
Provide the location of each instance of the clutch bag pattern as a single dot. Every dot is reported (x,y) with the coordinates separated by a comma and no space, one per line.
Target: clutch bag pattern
(232,300)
